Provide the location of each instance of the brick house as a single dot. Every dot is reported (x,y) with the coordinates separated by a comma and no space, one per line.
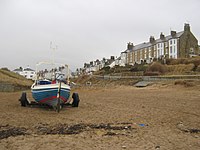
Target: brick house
(176,45)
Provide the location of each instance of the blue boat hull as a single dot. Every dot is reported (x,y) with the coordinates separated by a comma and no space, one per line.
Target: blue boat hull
(47,94)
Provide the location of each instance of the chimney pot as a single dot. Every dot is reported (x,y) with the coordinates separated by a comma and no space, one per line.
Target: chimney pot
(162,36)
(151,39)
(130,46)
(173,33)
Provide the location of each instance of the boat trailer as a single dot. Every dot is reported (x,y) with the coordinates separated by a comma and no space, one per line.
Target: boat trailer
(25,102)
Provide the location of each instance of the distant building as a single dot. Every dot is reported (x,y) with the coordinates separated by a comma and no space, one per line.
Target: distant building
(176,45)
(18,70)
(93,66)
(26,72)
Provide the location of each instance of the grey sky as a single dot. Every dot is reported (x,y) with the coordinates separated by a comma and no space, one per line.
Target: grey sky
(85,30)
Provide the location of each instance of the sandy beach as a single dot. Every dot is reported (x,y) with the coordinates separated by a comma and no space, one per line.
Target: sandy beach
(161,116)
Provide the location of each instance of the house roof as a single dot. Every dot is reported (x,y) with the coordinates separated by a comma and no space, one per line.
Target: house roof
(28,69)
(21,69)
(18,69)
(170,37)
(148,44)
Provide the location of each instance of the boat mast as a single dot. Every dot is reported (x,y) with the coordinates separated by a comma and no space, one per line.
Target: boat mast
(53,58)
(67,68)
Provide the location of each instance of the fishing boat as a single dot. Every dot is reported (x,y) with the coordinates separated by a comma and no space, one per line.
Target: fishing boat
(53,90)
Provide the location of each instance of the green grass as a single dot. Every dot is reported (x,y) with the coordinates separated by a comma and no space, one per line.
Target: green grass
(13,78)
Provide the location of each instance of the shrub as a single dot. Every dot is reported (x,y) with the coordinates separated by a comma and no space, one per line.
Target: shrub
(198,68)
(106,69)
(149,73)
(139,67)
(6,69)
(176,61)
(168,61)
(157,67)
(196,62)
(180,69)
(186,61)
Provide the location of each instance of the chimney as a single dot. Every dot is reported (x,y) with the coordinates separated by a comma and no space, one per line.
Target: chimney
(130,46)
(112,57)
(173,33)
(162,36)
(187,27)
(91,63)
(85,65)
(151,39)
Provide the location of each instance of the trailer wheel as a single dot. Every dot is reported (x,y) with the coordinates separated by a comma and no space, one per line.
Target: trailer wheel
(23,100)
(76,100)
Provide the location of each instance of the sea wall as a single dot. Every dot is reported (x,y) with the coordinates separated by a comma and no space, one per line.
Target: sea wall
(8,87)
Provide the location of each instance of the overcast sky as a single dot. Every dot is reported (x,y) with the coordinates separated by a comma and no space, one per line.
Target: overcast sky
(85,30)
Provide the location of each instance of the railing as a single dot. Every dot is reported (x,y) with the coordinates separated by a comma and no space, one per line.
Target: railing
(116,77)
(150,78)
(172,77)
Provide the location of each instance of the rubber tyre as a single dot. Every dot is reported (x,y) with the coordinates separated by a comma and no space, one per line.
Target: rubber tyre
(76,100)
(23,100)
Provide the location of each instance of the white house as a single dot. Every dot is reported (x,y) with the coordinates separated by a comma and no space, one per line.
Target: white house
(123,60)
(18,70)
(120,61)
(113,64)
(27,72)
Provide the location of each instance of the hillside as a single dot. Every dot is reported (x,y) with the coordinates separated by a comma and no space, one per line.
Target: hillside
(172,67)
(10,81)
(182,66)
(87,80)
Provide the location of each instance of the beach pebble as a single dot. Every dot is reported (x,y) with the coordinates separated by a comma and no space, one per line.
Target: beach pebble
(124,147)
(157,147)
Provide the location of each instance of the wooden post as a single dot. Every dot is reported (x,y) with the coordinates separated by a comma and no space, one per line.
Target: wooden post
(58,97)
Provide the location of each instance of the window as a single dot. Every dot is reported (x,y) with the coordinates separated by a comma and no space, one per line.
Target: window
(170,49)
(174,41)
(131,57)
(135,56)
(158,45)
(174,49)
(170,42)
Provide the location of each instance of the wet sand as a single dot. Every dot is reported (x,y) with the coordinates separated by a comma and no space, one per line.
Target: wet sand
(164,117)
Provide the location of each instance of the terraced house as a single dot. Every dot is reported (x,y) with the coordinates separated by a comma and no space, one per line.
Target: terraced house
(176,45)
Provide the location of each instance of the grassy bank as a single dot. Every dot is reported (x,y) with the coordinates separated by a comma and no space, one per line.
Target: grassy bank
(10,81)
